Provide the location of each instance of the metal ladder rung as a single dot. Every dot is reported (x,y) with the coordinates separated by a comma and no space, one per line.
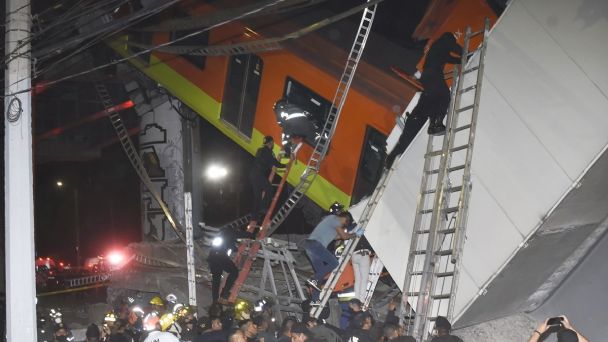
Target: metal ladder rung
(451,169)
(455,189)
(459,148)
(462,128)
(430,191)
(467,89)
(441,296)
(476,33)
(438,275)
(443,231)
(453,149)
(475,68)
(464,109)
(451,210)
(441,252)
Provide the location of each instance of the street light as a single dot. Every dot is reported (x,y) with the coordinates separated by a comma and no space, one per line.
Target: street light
(216,172)
(60,185)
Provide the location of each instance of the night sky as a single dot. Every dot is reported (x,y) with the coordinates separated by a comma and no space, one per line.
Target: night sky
(108,188)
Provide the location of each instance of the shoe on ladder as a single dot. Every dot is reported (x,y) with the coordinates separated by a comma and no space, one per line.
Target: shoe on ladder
(436,127)
(314,284)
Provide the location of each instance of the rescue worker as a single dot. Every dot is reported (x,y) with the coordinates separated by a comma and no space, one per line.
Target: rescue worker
(435,98)
(361,261)
(444,328)
(295,121)
(336,208)
(219,261)
(157,304)
(153,327)
(258,176)
(322,260)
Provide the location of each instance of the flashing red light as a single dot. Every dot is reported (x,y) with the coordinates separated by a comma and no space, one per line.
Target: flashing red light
(61,264)
(115,258)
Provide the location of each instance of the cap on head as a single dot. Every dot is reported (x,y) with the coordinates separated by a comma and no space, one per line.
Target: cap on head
(268,139)
(355,301)
(92,331)
(443,323)
(300,328)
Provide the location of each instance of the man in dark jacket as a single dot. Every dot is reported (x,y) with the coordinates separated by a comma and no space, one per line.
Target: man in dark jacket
(435,98)
(258,176)
(216,334)
(444,328)
(219,260)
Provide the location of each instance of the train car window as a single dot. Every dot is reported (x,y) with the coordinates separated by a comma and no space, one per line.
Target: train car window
(373,154)
(302,96)
(241,92)
(198,40)
(201,39)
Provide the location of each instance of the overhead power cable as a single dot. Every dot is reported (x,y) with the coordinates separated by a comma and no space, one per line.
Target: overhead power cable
(193,23)
(244,15)
(260,45)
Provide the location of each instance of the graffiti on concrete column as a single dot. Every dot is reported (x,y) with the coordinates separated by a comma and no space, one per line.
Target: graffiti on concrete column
(160,145)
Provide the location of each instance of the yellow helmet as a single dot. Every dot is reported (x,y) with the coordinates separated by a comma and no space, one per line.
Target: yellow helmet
(242,309)
(109,318)
(156,300)
(166,321)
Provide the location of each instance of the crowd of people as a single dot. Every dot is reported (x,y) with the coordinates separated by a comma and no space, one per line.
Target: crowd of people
(167,321)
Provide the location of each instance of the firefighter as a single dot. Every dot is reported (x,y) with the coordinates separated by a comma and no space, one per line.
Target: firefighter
(219,261)
(258,176)
(435,98)
(295,121)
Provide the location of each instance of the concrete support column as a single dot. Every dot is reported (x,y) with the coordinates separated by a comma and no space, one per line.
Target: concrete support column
(18,158)
(161,150)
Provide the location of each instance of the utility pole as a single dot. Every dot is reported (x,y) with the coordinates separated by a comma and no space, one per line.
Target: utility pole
(77,226)
(18,173)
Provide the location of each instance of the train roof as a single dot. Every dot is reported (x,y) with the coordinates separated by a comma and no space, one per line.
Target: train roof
(327,49)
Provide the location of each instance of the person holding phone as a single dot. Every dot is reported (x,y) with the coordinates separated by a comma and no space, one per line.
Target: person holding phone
(565,330)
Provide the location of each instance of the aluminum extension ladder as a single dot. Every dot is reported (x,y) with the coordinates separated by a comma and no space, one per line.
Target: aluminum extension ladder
(314,163)
(351,244)
(135,159)
(439,231)
(322,146)
(375,271)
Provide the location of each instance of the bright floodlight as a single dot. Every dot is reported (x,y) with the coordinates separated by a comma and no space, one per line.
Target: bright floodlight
(115,258)
(216,172)
(59,183)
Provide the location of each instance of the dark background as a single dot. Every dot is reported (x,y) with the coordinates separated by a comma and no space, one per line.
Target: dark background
(109,213)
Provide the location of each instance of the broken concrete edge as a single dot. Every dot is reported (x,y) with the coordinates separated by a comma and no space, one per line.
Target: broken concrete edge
(549,287)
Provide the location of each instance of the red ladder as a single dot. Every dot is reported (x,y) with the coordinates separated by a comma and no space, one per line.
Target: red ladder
(245,266)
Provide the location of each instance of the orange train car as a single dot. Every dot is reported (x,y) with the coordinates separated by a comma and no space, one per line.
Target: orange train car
(236,93)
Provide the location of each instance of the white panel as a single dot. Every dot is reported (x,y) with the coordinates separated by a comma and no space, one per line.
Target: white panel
(579,27)
(511,161)
(490,233)
(547,89)
(390,228)
(467,291)
(542,120)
